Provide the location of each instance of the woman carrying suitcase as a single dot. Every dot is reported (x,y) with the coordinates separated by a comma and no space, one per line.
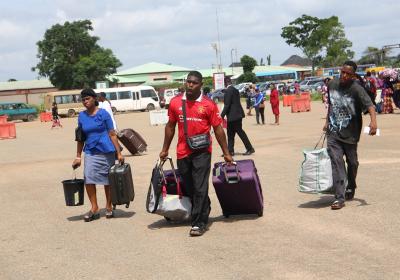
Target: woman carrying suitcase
(99,142)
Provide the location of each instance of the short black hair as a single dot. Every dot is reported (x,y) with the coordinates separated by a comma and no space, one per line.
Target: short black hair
(368,74)
(102,94)
(352,64)
(88,92)
(196,74)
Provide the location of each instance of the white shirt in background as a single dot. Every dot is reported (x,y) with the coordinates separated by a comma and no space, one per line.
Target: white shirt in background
(107,106)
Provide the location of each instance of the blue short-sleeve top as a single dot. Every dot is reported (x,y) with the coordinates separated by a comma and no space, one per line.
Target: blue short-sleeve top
(96,129)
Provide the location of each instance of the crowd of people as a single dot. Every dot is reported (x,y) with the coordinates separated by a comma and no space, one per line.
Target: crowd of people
(256,99)
(346,99)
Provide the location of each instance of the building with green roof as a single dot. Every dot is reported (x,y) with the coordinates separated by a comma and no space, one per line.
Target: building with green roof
(25,91)
(152,73)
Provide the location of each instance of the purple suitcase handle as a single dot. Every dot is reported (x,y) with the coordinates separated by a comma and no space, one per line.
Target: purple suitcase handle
(231,179)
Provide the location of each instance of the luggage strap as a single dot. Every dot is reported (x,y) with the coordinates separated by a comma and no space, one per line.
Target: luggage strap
(319,141)
(178,186)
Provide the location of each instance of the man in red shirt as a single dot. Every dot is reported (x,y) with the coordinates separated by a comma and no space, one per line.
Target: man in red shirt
(195,165)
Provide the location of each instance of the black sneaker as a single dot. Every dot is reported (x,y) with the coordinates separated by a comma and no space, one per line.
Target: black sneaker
(349,195)
(249,152)
(197,231)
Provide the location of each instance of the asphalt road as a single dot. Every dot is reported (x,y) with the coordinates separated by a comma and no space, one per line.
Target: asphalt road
(299,236)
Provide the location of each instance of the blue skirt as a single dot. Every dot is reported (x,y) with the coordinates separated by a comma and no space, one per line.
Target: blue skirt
(97,167)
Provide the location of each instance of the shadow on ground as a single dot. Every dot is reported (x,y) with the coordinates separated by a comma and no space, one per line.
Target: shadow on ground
(326,201)
(163,223)
(118,214)
(322,202)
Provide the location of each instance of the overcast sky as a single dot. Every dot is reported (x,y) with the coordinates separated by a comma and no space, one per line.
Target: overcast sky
(181,32)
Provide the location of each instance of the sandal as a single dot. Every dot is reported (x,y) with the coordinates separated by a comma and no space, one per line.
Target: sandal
(336,205)
(91,216)
(109,214)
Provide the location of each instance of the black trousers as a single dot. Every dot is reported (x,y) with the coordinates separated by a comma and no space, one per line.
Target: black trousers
(195,172)
(337,150)
(233,128)
(260,111)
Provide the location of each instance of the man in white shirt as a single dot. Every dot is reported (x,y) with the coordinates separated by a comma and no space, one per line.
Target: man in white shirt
(105,104)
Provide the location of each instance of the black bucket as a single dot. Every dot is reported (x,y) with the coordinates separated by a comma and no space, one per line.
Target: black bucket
(74,192)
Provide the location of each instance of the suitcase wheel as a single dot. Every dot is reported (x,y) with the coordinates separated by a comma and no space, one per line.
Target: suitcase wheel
(260,213)
(127,205)
(114,206)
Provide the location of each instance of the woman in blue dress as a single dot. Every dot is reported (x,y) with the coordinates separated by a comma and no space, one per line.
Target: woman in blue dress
(100,147)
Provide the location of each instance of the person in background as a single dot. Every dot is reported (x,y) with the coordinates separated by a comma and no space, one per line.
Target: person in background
(207,91)
(249,96)
(374,77)
(56,117)
(274,100)
(234,113)
(105,104)
(100,147)
(296,87)
(259,106)
(347,101)
(387,93)
(325,92)
(370,86)
(195,165)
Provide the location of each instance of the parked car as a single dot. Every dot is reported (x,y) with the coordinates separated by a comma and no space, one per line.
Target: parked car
(306,84)
(242,88)
(218,95)
(169,93)
(18,111)
(166,95)
(263,87)
(317,86)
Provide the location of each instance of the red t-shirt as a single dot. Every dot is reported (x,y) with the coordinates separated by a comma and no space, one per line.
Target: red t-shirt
(200,116)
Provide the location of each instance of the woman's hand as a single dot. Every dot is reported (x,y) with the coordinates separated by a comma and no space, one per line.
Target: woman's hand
(121,158)
(76,163)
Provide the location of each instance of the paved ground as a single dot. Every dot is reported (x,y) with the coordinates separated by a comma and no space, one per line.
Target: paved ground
(298,237)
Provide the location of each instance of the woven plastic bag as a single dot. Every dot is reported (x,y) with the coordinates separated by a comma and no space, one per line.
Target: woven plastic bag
(316,170)
(173,206)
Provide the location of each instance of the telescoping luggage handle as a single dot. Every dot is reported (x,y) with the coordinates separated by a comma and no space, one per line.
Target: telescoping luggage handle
(231,179)
(178,186)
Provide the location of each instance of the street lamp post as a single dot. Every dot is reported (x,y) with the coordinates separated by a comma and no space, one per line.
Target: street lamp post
(232,60)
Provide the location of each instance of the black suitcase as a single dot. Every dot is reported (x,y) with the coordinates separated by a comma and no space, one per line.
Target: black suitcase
(132,141)
(121,183)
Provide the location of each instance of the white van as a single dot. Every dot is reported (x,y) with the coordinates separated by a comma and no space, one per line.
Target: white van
(131,98)
(169,94)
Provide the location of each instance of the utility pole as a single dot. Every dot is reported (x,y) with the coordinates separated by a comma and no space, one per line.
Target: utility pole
(219,43)
(232,60)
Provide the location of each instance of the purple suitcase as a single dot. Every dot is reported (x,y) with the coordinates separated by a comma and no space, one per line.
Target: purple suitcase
(238,188)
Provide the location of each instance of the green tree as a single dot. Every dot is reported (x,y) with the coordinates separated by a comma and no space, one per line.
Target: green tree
(247,77)
(313,35)
(337,47)
(248,63)
(11,80)
(208,82)
(269,59)
(71,58)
